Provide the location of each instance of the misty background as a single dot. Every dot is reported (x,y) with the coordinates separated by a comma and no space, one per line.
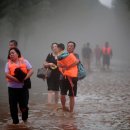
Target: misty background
(35,24)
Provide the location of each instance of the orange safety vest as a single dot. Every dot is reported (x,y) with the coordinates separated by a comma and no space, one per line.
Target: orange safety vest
(12,66)
(67,61)
(106,50)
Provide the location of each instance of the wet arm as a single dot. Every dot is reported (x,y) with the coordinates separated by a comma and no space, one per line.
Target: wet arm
(11,77)
(47,65)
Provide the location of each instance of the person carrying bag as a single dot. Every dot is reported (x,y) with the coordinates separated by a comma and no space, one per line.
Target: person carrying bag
(43,73)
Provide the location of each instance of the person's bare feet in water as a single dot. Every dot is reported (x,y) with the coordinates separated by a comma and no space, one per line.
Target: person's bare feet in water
(66,109)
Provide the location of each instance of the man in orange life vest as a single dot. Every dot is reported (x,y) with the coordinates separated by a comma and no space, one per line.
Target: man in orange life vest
(67,64)
(107,54)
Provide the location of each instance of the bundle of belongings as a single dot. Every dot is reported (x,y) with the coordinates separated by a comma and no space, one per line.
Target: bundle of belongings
(20,75)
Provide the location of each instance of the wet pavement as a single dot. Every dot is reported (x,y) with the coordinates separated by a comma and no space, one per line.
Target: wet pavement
(102,103)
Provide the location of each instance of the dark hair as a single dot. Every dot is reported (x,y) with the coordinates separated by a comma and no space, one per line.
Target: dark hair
(106,42)
(15,42)
(53,44)
(16,50)
(72,42)
(61,46)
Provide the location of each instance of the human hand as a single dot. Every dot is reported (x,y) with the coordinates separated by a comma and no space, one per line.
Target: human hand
(64,68)
(53,66)
(16,80)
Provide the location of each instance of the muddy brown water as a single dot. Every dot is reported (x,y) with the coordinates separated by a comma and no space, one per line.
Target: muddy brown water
(102,103)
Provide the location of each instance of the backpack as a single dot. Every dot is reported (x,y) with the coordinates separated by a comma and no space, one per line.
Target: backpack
(81,71)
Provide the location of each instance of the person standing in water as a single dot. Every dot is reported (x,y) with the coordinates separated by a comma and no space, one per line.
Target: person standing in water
(14,44)
(67,63)
(87,56)
(16,91)
(53,81)
(107,55)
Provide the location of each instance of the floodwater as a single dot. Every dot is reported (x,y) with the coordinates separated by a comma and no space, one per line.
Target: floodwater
(102,103)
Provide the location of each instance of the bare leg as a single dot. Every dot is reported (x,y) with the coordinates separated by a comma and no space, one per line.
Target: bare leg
(55,99)
(56,93)
(63,102)
(72,103)
(50,97)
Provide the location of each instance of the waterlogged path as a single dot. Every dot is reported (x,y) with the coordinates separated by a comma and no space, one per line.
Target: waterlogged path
(102,103)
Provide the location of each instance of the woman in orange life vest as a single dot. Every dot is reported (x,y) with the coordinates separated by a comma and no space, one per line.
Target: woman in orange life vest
(67,64)
(16,91)
(107,54)
(14,44)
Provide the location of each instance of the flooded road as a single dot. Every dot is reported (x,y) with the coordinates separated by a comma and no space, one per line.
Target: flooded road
(102,103)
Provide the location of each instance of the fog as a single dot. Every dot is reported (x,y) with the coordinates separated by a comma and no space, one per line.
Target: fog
(37,25)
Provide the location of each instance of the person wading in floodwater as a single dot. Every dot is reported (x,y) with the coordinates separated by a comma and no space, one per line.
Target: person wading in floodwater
(107,55)
(67,64)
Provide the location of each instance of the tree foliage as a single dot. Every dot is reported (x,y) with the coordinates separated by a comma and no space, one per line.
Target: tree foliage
(15,7)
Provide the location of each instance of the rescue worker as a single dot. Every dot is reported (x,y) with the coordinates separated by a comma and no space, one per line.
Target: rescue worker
(107,55)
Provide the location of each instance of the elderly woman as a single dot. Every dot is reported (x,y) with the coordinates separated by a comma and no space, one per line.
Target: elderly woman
(16,91)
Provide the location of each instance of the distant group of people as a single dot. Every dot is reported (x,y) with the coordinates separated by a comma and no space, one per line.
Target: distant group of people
(64,71)
(105,53)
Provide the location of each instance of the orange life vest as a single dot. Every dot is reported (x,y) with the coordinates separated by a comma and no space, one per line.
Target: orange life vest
(12,66)
(67,61)
(106,50)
